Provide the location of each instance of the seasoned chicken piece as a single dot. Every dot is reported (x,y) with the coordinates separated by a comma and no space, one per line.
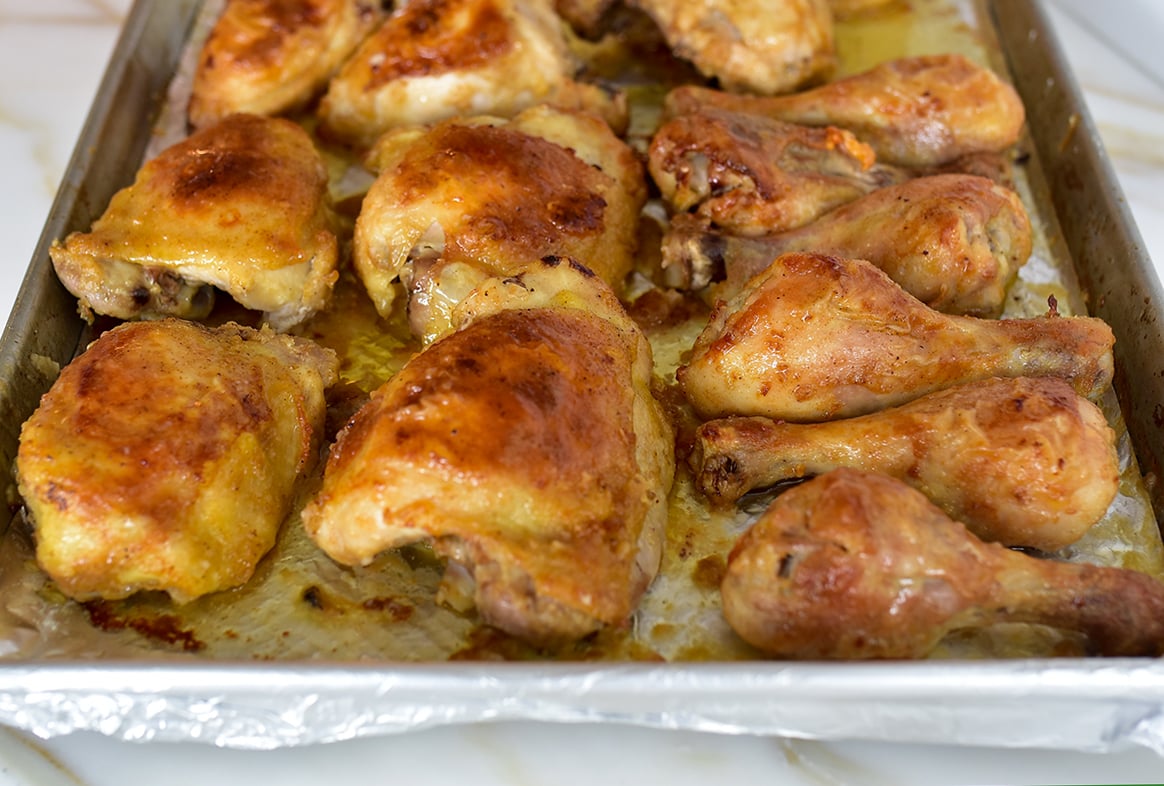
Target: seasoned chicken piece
(915,111)
(241,205)
(267,57)
(752,175)
(470,199)
(859,565)
(816,337)
(526,447)
(955,242)
(437,59)
(771,46)
(166,456)
(1022,461)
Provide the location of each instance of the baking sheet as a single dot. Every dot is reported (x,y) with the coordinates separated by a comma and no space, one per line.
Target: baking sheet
(1092,705)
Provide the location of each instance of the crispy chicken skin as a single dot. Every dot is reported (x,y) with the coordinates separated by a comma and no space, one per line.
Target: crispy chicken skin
(915,111)
(1022,461)
(267,57)
(859,565)
(241,206)
(437,59)
(816,337)
(526,446)
(166,456)
(474,198)
(753,175)
(748,45)
(955,242)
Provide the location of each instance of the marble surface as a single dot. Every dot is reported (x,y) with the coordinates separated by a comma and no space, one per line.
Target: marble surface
(52,53)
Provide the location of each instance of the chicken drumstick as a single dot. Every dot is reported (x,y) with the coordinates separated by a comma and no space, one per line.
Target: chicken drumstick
(1026,462)
(816,337)
(859,565)
(955,242)
(914,111)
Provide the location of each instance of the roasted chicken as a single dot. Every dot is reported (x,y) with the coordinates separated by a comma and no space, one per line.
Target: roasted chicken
(241,206)
(816,337)
(167,455)
(752,175)
(955,242)
(749,45)
(1022,461)
(267,57)
(474,198)
(433,60)
(526,447)
(859,565)
(916,111)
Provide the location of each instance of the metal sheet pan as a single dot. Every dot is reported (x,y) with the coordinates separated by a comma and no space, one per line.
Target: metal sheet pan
(1066,703)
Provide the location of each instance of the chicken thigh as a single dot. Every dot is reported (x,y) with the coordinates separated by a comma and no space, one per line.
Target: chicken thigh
(749,45)
(470,199)
(526,447)
(916,111)
(241,205)
(955,242)
(816,337)
(167,455)
(433,60)
(859,565)
(267,57)
(1022,461)
(752,175)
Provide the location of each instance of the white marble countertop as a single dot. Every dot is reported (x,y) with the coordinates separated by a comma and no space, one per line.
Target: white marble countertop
(52,54)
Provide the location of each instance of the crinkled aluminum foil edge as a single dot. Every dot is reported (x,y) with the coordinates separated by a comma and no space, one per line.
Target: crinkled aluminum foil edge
(1081,706)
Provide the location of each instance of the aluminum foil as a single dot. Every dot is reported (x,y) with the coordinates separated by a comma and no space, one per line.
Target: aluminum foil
(1097,706)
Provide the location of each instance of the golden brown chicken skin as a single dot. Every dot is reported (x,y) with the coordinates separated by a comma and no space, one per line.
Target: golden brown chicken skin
(816,337)
(748,45)
(526,446)
(268,57)
(470,199)
(1022,461)
(915,111)
(859,565)
(437,59)
(752,175)
(167,455)
(241,206)
(955,242)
